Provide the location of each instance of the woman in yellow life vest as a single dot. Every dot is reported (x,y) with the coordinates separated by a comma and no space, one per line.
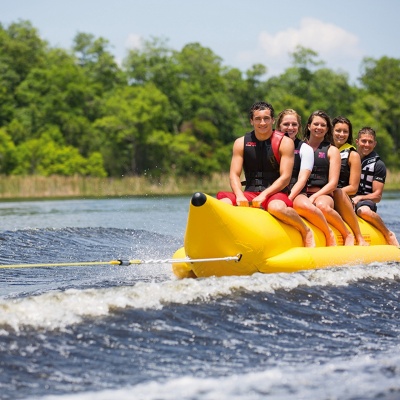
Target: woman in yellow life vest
(349,178)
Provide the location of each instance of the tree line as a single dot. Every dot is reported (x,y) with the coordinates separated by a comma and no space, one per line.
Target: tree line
(162,111)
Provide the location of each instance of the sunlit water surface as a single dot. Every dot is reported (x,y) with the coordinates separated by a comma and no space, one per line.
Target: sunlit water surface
(136,332)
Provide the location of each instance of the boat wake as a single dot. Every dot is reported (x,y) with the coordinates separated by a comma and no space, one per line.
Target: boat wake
(58,309)
(278,383)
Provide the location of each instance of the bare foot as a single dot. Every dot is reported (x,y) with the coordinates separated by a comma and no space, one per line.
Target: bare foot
(349,240)
(361,241)
(308,239)
(331,240)
(391,239)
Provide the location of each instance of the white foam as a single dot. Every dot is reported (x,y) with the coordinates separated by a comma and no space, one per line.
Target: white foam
(59,309)
(359,377)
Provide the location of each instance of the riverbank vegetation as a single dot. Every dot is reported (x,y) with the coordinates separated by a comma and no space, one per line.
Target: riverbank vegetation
(58,187)
(39,187)
(164,119)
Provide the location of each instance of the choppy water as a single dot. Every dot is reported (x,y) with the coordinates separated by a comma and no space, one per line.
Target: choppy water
(135,332)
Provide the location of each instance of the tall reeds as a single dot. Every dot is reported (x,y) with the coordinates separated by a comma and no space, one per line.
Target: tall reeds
(34,187)
(37,187)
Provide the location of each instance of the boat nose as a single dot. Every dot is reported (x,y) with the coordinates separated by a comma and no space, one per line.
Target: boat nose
(199,199)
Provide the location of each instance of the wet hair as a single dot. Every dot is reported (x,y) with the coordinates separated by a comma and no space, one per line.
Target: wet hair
(319,113)
(288,111)
(367,130)
(261,105)
(343,120)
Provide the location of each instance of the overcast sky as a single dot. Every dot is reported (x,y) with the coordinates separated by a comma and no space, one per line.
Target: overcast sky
(241,32)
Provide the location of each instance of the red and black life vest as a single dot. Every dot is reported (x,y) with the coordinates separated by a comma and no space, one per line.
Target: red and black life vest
(261,161)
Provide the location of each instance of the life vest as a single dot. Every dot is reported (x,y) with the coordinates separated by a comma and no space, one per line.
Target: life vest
(368,165)
(344,176)
(261,161)
(297,162)
(320,173)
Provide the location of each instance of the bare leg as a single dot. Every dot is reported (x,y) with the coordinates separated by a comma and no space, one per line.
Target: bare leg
(325,204)
(311,213)
(344,207)
(289,216)
(226,200)
(374,219)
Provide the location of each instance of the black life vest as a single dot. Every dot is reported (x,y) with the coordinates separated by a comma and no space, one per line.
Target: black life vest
(368,165)
(261,161)
(344,177)
(297,163)
(320,173)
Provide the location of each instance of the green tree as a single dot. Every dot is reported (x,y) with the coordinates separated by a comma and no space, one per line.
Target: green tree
(43,156)
(192,79)
(369,109)
(21,49)
(7,153)
(130,116)
(381,79)
(57,95)
(307,86)
(155,62)
(97,62)
(330,91)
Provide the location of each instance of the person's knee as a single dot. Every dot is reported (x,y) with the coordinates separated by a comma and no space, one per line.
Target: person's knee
(276,206)
(304,208)
(364,212)
(325,208)
(226,200)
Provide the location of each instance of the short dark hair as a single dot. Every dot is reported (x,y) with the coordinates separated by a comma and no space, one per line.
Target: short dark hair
(366,130)
(319,113)
(343,120)
(261,105)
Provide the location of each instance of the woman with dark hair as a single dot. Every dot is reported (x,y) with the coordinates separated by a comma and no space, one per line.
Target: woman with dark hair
(325,174)
(289,122)
(350,173)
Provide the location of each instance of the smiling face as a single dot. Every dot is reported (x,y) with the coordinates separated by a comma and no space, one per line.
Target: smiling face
(290,125)
(341,134)
(262,123)
(318,128)
(366,143)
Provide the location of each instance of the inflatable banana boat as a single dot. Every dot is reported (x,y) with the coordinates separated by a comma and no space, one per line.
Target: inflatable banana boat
(228,240)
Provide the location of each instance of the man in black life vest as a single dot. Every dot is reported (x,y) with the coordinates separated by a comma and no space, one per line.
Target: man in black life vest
(373,176)
(267,158)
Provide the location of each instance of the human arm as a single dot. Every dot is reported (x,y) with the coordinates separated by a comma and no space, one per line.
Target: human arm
(355,174)
(286,151)
(306,165)
(378,184)
(302,179)
(375,196)
(236,169)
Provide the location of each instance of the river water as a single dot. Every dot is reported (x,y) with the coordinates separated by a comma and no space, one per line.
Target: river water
(136,332)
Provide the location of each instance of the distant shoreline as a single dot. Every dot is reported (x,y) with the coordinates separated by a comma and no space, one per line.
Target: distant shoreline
(62,187)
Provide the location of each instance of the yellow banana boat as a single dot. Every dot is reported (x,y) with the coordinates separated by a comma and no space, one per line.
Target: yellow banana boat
(232,240)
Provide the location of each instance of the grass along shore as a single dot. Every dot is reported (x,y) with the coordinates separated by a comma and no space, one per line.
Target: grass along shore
(40,187)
